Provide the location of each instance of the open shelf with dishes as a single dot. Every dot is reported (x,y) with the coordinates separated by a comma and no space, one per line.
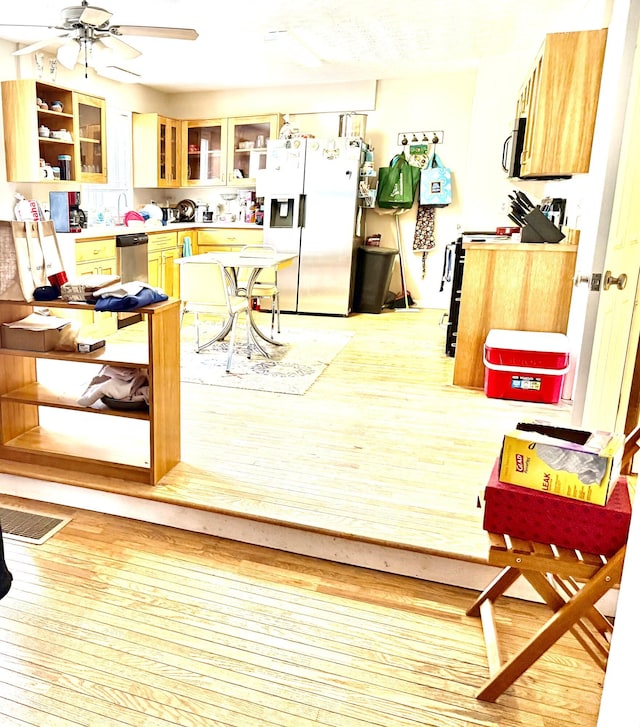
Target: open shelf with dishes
(42,423)
(43,122)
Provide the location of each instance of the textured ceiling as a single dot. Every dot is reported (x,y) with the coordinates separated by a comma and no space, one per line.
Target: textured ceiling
(356,39)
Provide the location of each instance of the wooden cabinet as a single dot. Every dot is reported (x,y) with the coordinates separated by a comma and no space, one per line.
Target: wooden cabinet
(141,446)
(164,249)
(92,153)
(246,146)
(226,152)
(24,144)
(204,147)
(523,287)
(227,239)
(156,151)
(559,101)
(96,257)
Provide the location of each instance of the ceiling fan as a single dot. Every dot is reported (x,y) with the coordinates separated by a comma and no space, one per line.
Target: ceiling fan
(88,38)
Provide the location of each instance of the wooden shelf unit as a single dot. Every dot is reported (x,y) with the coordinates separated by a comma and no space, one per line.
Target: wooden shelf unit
(146,455)
(24,147)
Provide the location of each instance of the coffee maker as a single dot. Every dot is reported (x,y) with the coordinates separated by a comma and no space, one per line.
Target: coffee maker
(65,211)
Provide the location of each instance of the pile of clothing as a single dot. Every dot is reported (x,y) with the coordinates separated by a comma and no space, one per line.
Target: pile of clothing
(117,382)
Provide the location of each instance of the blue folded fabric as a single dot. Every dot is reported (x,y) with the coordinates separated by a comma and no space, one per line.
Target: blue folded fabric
(146,296)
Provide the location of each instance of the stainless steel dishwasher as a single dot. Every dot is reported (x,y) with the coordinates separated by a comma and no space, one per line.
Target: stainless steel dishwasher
(132,254)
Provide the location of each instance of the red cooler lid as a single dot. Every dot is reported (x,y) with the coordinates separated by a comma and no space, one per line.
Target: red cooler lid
(538,341)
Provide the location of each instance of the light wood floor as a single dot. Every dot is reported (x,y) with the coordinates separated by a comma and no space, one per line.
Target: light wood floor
(382,449)
(119,622)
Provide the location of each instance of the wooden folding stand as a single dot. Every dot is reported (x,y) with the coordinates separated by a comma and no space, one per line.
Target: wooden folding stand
(570,583)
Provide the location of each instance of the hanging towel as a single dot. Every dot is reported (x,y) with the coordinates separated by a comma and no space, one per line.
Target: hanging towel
(423,239)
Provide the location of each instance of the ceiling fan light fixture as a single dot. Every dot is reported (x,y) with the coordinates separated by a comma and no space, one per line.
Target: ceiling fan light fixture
(101,54)
(68,53)
(294,48)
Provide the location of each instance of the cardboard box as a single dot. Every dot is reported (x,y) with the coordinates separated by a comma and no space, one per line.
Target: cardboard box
(28,340)
(544,518)
(567,462)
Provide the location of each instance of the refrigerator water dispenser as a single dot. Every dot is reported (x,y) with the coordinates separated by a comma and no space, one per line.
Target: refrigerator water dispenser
(281,212)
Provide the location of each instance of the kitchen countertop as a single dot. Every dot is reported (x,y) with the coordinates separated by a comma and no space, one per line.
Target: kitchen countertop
(102,231)
(521,246)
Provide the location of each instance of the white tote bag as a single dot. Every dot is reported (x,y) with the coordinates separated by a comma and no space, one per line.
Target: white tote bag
(29,255)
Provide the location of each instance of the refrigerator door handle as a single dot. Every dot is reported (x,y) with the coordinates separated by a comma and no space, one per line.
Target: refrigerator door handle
(302,210)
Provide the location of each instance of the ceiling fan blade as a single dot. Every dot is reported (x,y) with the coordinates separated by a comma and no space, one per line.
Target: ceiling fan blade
(122,49)
(154,32)
(95,17)
(33,47)
(22,25)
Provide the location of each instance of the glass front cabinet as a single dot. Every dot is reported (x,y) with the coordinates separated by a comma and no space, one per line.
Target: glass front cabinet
(247,146)
(226,152)
(204,145)
(91,114)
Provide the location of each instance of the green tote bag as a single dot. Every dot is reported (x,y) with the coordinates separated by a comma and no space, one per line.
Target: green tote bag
(397,184)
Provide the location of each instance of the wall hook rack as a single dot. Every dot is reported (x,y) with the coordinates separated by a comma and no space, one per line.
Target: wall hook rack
(420,137)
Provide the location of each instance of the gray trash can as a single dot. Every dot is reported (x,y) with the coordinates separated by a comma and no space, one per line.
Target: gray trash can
(373,277)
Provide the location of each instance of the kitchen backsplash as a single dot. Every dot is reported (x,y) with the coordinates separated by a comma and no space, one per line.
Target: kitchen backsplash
(105,206)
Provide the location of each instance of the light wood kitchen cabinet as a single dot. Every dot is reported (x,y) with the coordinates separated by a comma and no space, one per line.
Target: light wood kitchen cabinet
(522,287)
(164,249)
(226,152)
(96,257)
(559,101)
(246,152)
(156,151)
(204,151)
(24,146)
(92,157)
(227,239)
(140,446)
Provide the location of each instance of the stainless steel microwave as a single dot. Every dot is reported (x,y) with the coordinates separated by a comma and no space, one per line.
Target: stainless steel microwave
(512,148)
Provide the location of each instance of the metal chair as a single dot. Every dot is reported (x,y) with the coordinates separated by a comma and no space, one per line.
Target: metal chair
(266,284)
(206,287)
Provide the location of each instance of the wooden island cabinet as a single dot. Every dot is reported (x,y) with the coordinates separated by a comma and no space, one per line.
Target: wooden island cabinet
(514,286)
(134,445)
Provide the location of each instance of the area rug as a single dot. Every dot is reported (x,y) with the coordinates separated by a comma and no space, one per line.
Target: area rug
(291,368)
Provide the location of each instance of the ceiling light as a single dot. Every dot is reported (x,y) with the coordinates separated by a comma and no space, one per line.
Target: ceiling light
(100,54)
(69,53)
(294,48)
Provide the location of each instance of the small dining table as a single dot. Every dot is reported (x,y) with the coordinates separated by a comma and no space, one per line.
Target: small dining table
(232,262)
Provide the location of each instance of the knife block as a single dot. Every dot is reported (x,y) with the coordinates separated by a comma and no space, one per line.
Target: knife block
(539,228)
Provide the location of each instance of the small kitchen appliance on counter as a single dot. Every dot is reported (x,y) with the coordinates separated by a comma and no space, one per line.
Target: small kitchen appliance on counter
(185,211)
(66,213)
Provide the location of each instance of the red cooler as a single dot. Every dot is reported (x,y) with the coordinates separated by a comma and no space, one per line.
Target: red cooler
(525,365)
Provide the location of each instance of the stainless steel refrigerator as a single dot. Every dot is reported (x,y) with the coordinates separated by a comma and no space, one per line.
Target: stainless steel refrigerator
(310,189)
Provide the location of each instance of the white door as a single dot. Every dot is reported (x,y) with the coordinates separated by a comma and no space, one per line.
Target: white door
(616,330)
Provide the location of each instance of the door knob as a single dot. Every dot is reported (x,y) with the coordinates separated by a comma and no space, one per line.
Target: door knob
(620,282)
